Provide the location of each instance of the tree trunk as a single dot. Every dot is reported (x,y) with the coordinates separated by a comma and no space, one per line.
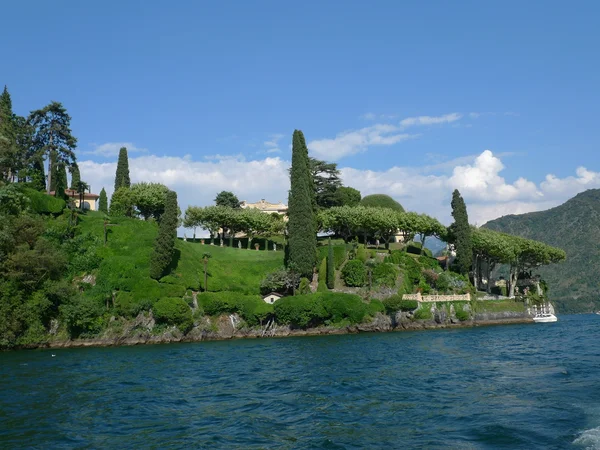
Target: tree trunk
(489,277)
(423,237)
(49,170)
(512,281)
(475,264)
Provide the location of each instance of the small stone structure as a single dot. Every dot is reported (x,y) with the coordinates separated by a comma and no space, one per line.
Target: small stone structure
(437,298)
(272,297)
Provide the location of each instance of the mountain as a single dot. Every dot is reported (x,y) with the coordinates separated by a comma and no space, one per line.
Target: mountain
(575,227)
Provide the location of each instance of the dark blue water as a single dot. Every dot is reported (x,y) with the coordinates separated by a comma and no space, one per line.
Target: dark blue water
(513,386)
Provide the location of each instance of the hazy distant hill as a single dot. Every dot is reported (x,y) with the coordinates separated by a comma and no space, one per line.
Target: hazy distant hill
(575,227)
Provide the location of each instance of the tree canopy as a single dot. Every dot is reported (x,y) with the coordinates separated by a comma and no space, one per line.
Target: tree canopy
(52,137)
(381,201)
(226,198)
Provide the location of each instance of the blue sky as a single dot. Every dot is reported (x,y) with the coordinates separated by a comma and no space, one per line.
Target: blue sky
(395,92)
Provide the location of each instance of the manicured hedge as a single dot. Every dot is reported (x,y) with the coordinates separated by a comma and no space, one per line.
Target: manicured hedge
(251,308)
(339,254)
(173,311)
(312,310)
(385,274)
(354,273)
(42,203)
(395,303)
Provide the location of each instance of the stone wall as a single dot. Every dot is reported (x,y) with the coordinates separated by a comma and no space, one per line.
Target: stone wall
(437,298)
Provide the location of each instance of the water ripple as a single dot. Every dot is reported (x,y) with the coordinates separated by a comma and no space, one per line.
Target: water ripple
(516,386)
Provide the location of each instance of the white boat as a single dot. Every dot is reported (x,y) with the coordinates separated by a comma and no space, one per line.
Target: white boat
(544,314)
(544,317)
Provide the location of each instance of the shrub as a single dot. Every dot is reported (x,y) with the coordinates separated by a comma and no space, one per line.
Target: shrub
(395,303)
(312,310)
(361,253)
(304,287)
(385,274)
(431,277)
(354,273)
(322,286)
(462,315)
(428,262)
(339,254)
(374,307)
(423,314)
(413,247)
(127,306)
(277,281)
(330,268)
(83,315)
(42,203)
(173,311)
(300,311)
(251,308)
(343,306)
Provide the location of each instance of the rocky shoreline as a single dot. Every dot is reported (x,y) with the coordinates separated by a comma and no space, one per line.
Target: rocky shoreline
(141,330)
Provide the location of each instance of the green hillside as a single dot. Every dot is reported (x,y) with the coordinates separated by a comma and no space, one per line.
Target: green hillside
(575,227)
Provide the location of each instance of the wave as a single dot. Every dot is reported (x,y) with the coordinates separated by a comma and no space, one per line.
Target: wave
(590,439)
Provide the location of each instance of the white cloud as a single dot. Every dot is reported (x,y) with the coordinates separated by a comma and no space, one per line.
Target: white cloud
(368,116)
(112,149)
(272,144)
(356,141)
(487,194)
(430,120)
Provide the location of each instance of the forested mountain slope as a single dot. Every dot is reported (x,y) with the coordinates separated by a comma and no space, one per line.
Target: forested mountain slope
(575,227)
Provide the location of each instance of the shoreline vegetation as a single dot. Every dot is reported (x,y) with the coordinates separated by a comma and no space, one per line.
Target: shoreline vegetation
(328,262)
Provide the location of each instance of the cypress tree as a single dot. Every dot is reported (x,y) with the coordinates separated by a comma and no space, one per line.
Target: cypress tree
(122,175)
(59,180)
(301,211)
(330,267)
(37,174)
(7,136)
(462,234)
(164,245)
(75,177)
(103,202)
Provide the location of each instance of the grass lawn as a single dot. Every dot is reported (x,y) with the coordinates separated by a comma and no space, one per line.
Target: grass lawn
(229,269)
(500,306)
(126,261)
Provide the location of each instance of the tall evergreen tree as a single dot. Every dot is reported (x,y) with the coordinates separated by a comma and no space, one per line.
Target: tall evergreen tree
(52,137)
(301,210)
(8,148)
(37,174)
(75,176)
(461,232)
(60,180)
(330,267)
(103,202)
(164,245)
(122,175)
(59,176)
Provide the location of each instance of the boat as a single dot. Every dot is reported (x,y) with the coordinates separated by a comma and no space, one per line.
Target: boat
(544,317)
(544,314)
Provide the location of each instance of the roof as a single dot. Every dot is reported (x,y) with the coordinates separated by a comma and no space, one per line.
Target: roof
(263,205)
(273,293)
(74,194)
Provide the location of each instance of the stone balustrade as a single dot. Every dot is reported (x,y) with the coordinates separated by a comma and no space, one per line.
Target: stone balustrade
(437,298)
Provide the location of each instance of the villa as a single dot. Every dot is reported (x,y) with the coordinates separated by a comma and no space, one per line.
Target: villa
(267,207)
(89,199)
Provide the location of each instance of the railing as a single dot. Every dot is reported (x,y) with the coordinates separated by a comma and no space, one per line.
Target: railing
(437,298)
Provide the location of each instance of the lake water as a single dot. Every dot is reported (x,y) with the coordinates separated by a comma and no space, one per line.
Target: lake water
(513,386)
